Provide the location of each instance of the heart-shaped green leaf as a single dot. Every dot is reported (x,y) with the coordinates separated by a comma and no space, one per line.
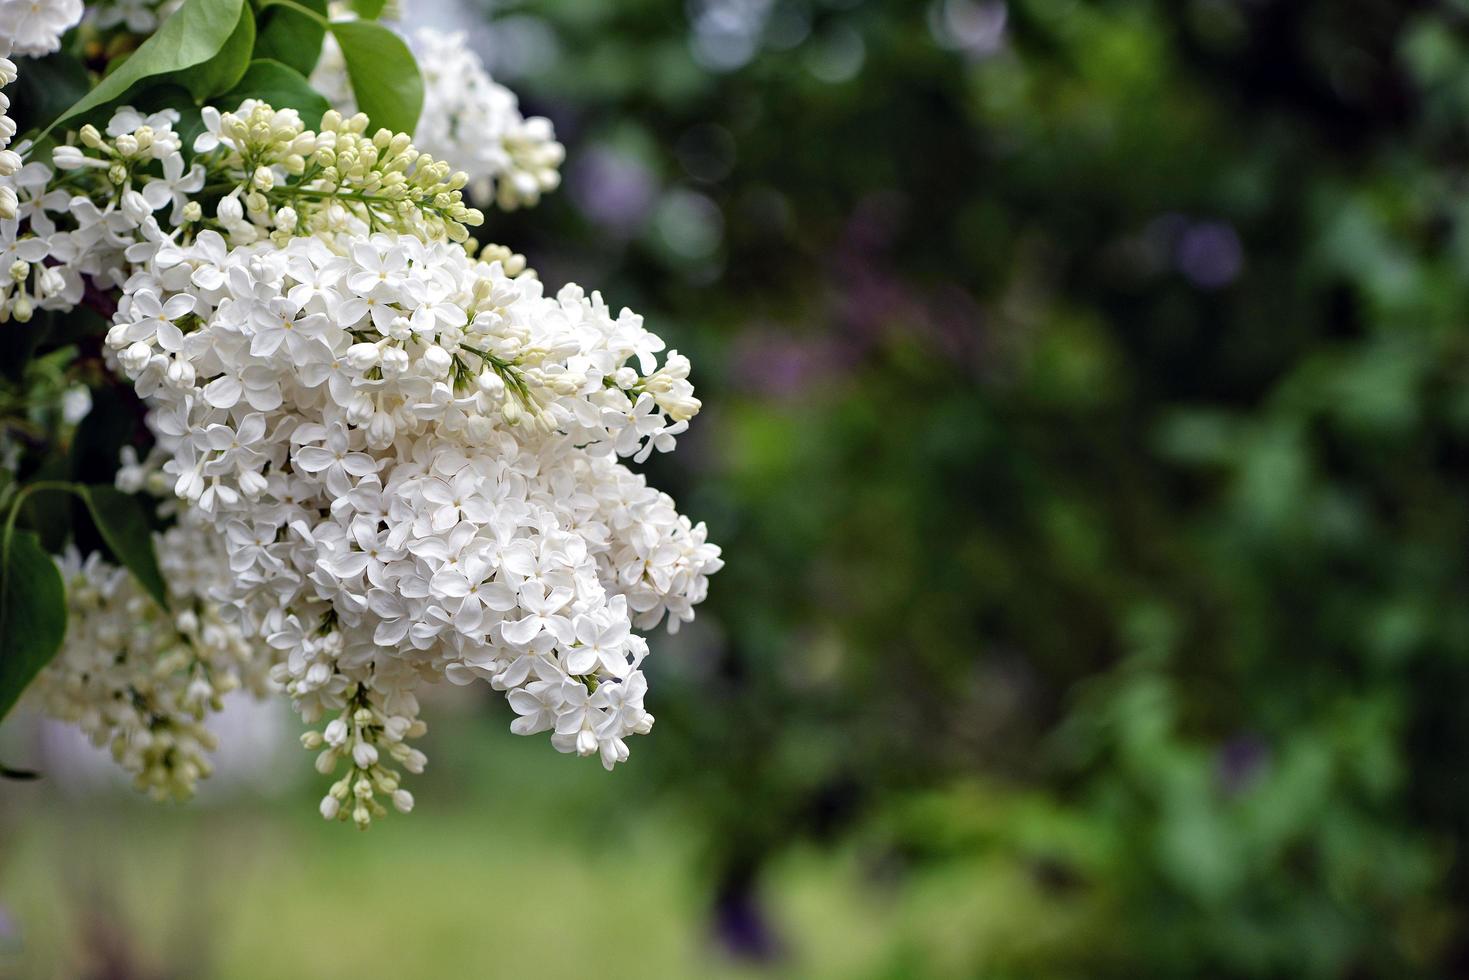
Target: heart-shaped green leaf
(32,614)
(223,71)
(292,36)
(124,526)
(384,76)
(196,32)
(367,9)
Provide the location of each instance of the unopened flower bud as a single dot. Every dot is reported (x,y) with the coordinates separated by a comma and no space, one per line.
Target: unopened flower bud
(230,212)
(360,409)
(489,382)
(135,357)
(437,360)
(68,157)
(135,207)
(394,362)
(361,357)
(50,282)
(180,373)
(253,484)
(380,430)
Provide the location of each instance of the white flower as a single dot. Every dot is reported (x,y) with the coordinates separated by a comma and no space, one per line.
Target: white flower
(334,463)
(34,27)
(487,531)
(174,187)
(140,680)
(392,461)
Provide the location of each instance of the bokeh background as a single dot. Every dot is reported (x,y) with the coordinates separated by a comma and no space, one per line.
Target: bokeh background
(1087,429)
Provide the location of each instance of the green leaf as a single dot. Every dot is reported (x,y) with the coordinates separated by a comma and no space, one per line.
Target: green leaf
(32,614)
(282,86)
(223,71)
(196,32)
(124,526)
(385,78)
(291,37)
(50,513)
(368,9)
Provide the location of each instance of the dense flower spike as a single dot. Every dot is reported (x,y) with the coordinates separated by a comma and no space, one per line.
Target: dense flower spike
(398,462)
(412,459)
(291,180)
(469,118)
(125,195)
(140,680)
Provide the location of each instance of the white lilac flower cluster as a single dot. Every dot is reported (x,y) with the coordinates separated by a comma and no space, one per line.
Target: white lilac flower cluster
(467,117)
(34,27)
(412,457)
(30,28)
(409,457)
(473,120)
(50,238)
(126,194)
(140,680)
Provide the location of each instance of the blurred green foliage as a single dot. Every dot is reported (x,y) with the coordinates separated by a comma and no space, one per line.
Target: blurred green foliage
(1088,432)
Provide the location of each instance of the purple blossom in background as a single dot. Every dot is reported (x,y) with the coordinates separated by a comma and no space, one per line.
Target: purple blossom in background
(1209,254)
(741,927)
(977,29)
(775,364)
(613,189)
(1240,763)
(865,307)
